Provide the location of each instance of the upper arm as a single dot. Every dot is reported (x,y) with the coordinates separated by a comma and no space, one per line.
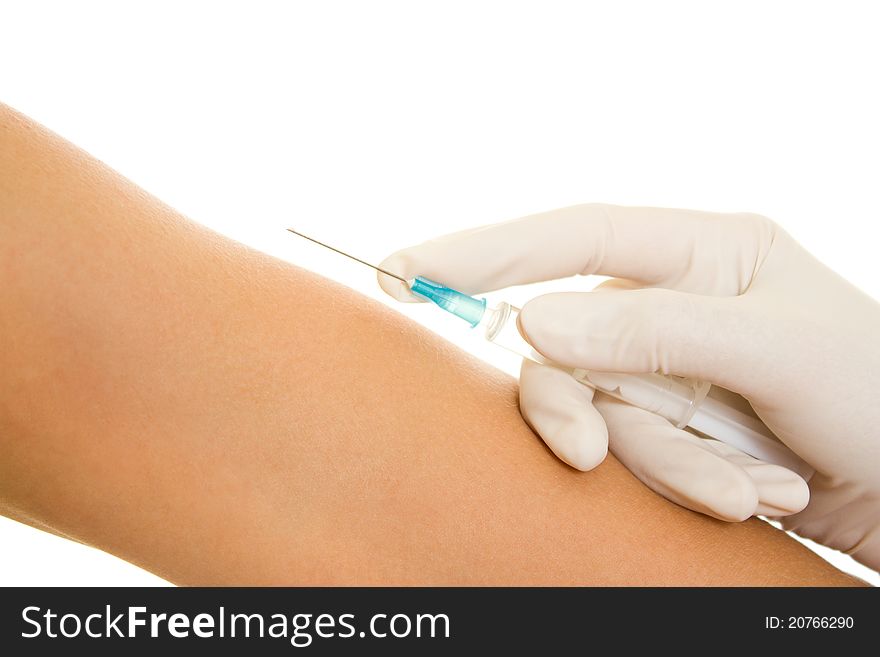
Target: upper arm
(218,416)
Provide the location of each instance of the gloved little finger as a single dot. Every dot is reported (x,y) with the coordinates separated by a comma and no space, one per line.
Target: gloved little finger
(676,464)
(781,492)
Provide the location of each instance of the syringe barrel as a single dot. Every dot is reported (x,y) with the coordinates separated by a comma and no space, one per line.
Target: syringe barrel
(673,398)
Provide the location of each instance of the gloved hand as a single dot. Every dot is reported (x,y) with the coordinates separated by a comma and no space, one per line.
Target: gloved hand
(729,299)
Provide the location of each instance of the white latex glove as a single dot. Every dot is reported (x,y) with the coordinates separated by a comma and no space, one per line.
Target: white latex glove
(729,299)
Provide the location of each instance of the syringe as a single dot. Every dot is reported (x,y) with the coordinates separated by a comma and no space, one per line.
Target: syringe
(684,402)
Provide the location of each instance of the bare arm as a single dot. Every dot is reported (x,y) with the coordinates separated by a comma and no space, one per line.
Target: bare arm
(217,416)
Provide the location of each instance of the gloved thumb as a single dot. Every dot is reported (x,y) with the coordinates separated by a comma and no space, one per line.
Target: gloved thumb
(645,330)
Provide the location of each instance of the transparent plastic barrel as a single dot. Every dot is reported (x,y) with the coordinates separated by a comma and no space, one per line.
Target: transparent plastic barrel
(671,397)
(682,401)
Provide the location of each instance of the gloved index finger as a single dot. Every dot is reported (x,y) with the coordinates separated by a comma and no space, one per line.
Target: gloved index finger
(699,252)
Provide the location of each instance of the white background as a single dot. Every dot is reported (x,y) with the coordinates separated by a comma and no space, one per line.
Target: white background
(377,124)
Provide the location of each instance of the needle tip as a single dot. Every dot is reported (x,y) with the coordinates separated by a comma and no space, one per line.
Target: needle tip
(348,255)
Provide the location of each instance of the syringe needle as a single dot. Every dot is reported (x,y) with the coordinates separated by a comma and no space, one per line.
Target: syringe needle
(348,255)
